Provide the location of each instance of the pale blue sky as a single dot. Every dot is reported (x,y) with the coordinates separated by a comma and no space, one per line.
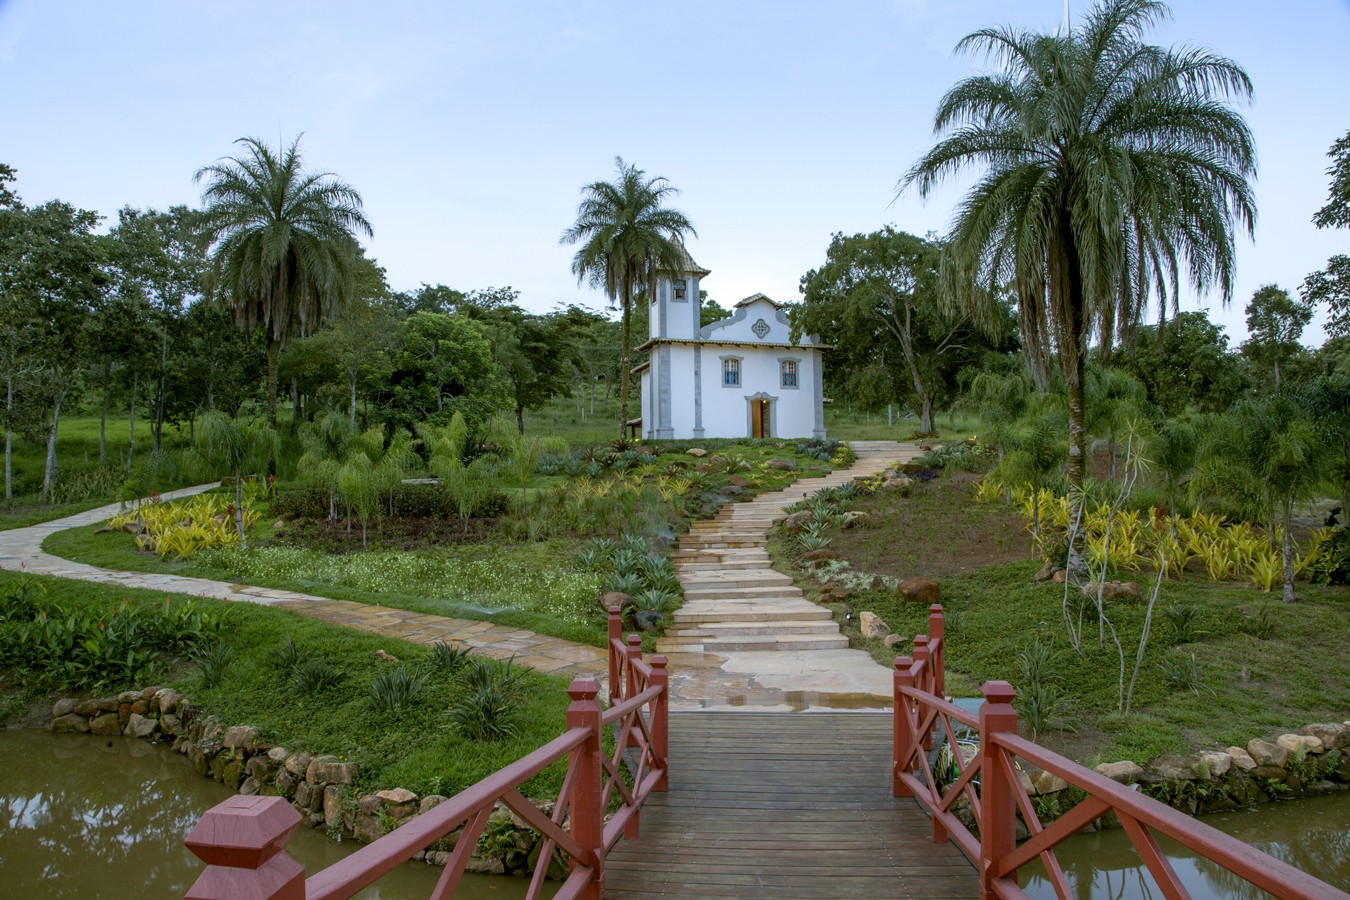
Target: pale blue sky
(470,128)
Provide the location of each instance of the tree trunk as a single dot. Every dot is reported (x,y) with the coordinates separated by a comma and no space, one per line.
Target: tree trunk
(103,420)
(926,414)
(157,423)
(49,476)
(351,415)
(1287,505)
(520,419)
(239,509)
(273,351)
(135,387)
(626,301)
(295,404)
(9,438)
(1067,305)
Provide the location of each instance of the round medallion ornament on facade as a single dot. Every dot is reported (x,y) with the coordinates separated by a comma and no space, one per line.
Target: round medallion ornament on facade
(760,328)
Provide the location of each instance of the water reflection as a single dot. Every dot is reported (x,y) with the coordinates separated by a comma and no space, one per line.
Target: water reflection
(1311,834)
(105,817)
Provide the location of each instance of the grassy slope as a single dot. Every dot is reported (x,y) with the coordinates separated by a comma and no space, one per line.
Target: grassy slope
(1250,687)
(414,748)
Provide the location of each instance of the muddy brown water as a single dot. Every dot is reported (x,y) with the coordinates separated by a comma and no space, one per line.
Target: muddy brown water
(105,817)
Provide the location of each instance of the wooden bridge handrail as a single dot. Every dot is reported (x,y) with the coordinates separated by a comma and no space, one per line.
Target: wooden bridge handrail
(367,865)
(1260,869)
(243,839)
(921,711)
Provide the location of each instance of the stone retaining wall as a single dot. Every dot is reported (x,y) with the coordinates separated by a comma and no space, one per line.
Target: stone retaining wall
(319,787)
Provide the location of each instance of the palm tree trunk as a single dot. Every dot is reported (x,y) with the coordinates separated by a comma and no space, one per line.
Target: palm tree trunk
(626,302)
(1287,504)
(273,352)
(1067,304)
(9,438)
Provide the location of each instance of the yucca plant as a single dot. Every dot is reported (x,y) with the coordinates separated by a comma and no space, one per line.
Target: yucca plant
(314,676)
(286,657)
(213,662)
(450,658)
(1182,672)
(394,689)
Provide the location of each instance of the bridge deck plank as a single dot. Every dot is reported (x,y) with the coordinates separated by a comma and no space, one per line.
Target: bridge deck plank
(783,805)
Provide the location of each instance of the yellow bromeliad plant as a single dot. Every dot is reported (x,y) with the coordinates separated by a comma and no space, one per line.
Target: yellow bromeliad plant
(1205,541)
(181,529)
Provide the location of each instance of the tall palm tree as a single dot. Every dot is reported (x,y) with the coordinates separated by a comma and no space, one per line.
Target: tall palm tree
(627,236)
(284,243)
(1111,166)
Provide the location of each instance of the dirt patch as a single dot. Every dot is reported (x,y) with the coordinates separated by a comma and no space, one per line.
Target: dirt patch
(938,529)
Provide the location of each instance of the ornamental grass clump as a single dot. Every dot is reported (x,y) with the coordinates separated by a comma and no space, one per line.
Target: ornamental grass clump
(314,676)
(395,689)
(489,707)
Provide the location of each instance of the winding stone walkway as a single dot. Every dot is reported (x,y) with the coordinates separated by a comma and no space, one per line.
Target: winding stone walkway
(746,637)
(21,550)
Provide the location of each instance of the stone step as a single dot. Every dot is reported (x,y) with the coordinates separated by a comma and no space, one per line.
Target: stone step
(823,627)
(707,581)
(687,617)
(751,643)
(770,591)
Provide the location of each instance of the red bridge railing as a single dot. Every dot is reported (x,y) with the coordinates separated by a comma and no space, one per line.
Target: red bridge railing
(243,839)
(989,782)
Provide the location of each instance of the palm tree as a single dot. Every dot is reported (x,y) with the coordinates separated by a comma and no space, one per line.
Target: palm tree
(627,235)
(284,243)
(1112,165)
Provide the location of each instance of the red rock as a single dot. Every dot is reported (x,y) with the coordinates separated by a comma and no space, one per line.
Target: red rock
(919,590)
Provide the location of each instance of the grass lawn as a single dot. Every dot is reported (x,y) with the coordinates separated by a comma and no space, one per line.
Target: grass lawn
(1003,625)
(414,747)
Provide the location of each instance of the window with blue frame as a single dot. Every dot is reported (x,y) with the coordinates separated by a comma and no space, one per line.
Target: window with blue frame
(788,373)
(731,373)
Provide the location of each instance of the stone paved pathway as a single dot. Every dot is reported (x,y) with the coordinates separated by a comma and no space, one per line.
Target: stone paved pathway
(746,637)
(21,549)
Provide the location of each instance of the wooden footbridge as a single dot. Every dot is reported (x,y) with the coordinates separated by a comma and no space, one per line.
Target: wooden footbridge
(783,805)
(725,804)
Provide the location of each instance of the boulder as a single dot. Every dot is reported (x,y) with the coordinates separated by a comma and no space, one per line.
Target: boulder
(308,798)
(1216,763)
(872,626)
(88,708)
(1333,735)
(1177,768)
(168,700)
(919,590)
(250,786)
(648,620)
(106,724)
(332,806)
(128,697)
(733,490)
(62,708)
(430,801)
(367,827)
(1268,754)
(1059,576)
(615,598)
(240,737)
(386,656)
(738,481)
(783,465)
(1048,783)
(1125,771)
(298,764)
(260,768)
(1114,590)
(479,866)
(823,553)
(894,640)
(170,724)
(798,521)
(1045,574)
(330,770)
(138,726)
(396,797)
(70,724)
(278,755)
(854,517)
(697,452)
(1300,743)
(1241,758)
(287,784)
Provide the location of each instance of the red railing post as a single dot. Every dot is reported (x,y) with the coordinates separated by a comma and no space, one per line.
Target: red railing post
(615,666)
(997,823)
(242,840)
(634,679)
(924,682)
(588,814)
(661,721)
(901,745)
(937,632)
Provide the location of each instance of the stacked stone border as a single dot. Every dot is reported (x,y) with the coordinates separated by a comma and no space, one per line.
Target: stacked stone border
(319,787)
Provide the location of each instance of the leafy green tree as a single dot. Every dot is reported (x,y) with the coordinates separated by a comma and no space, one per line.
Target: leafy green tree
(1110,167)
(468,486)
(442,364)
(1275,322)
(533,358)
(1186,363)
(428,298)
(876,299)
(52,275)
(283,244)
(239,449)
(1331,286)
(160,258)
(627,235)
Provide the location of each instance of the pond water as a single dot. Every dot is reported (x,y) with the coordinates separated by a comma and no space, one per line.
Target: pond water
(82,816)
(1312,834)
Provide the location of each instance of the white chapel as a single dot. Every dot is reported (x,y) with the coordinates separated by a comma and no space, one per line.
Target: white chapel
(741,376)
